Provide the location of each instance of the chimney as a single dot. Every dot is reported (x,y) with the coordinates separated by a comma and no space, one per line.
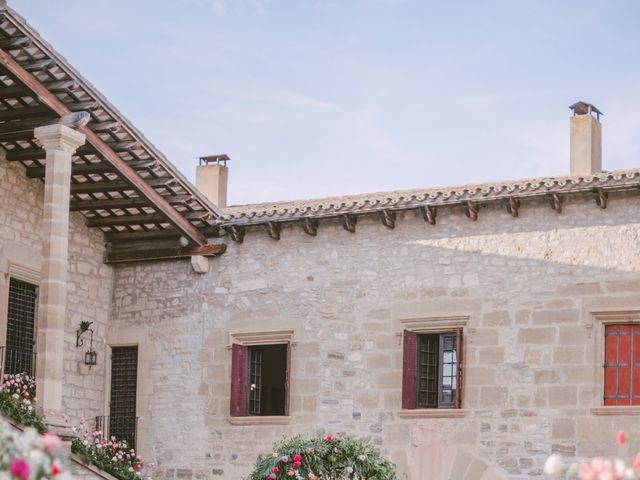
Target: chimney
(586,139)
(211,178)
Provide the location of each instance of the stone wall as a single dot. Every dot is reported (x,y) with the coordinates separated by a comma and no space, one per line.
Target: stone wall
(89,289)
(529,287)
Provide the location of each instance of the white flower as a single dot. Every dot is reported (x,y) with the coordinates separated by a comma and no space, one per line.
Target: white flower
(114,459)
(554,465)
(362,458)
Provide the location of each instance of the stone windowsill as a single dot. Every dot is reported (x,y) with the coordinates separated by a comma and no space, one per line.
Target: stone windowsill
(256,420)
(434,413)
(616,410)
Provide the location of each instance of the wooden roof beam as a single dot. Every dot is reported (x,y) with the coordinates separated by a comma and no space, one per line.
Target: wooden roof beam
(139,185)
(310,226)
(151,218)
(170,253)
(89,168)
(122,203)
(388,218)
(39,153)
(349,222)
(116,186)
(429,213)
(139,235)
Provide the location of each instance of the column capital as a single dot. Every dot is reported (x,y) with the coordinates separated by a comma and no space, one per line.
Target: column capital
(59,137)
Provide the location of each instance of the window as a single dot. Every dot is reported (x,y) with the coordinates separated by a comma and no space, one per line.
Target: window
(432,369)
(122,406)
(622,364)
(21,315)
(260,380)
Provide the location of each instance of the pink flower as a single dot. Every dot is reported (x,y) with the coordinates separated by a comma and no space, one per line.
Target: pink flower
(19,468)
(636,463)
(50,442)
(585,472)
(621,437)
(328,439)
(291,472)
(55,469)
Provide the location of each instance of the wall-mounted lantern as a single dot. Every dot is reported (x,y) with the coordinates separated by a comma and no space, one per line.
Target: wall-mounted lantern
(90,356)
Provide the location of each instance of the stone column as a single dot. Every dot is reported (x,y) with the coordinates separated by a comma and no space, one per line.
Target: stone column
(60,143)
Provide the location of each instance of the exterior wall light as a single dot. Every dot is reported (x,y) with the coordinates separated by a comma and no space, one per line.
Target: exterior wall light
(90,356)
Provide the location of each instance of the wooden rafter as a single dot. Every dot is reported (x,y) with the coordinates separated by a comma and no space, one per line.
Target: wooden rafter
(512,204)
(50,101)
(349,222)
(470,210)
(121,203)
(117,186)
(142,219)
(170,253)
(89,168)
(236,232)
(556,202)
(310,226)
(601,198)
(388,218)
(274,230)
(429,214)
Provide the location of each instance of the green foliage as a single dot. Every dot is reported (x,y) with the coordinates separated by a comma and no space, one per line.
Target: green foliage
(123,467)
(17,401)
(327,458)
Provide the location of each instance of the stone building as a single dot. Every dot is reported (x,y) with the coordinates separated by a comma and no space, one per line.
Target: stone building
(468,331)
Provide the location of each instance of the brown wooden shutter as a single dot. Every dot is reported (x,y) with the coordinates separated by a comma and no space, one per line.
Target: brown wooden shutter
(459,369)
(409,369)
(287,380)
(239,379)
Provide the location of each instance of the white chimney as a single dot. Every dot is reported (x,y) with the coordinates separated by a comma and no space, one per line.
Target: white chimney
(211,178)
(586,139)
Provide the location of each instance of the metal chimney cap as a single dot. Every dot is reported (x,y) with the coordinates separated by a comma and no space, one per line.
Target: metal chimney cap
(222,158)
(584,108)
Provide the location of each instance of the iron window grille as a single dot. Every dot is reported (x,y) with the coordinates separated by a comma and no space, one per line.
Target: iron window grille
(124,373)
(21,316)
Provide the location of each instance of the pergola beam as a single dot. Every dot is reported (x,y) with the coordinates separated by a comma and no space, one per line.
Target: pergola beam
(121,203)
(116,186)
(91,168)
(143,219)
(170,253)
(145,190)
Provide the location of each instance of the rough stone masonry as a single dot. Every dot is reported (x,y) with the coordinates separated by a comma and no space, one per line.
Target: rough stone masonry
(536,291)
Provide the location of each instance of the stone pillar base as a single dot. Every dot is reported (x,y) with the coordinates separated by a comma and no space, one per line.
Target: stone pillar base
(58,425)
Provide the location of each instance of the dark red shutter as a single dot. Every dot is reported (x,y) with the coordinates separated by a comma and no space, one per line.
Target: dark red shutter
(409,369)
(287,382)
(635,366)
(239,379)
(459,369)
(621,364)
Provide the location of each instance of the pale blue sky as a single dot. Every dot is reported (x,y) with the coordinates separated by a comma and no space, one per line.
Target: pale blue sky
(326,97)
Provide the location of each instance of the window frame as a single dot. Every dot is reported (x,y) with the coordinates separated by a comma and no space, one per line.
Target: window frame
(240,343)
(411,328)
(599,320)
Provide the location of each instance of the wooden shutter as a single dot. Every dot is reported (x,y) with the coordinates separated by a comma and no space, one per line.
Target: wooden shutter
(622,365)
(239,378)
(459,369)
(409,369)
(287,380)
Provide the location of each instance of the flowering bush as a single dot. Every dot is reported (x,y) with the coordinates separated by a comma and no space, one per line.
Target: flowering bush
(18,398)
(111,455)
(326,458)
(29,456)
(597,468)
